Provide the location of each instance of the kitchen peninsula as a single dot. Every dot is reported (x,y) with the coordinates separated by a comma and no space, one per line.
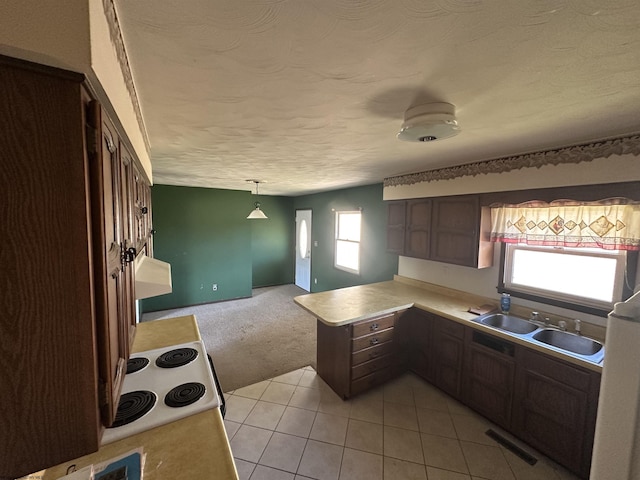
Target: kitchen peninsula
(368,334)
(348,305)
(194,447)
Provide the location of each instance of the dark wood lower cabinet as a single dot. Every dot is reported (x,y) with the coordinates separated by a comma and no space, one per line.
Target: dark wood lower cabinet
(356,357)
(448,347)
(489,374)
(420,349)
(556,409)
(548,403)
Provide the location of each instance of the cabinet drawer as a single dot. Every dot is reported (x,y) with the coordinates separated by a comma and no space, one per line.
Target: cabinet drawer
(372,366)
(556,369)
(371,353)
(372,339)
(450,327)
(373,325)
(371,380)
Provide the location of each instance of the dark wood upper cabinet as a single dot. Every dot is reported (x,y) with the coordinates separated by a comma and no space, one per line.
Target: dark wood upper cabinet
(418,228)
(396,220)
(444,229)
(460,231)
(68,303)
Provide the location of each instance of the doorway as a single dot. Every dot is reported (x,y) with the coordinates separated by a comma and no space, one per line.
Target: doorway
(303,249)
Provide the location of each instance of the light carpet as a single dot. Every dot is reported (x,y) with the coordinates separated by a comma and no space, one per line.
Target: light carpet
(253,339)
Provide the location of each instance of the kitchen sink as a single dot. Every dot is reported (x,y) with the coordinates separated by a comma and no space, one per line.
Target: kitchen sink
(507,322)
(568,341)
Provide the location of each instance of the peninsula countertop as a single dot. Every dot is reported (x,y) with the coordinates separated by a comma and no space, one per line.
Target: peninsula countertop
(193,447)
(347,305)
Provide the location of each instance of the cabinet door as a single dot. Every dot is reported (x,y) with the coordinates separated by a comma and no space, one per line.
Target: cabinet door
(142,212)
(448,355)
(454,236)
(396,224)
(556,409)
(112,320)
(488,378)
(421,355)
(129,244)
(417,241)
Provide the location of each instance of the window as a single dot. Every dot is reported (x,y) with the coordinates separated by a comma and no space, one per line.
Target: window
(583,279)
(347,255)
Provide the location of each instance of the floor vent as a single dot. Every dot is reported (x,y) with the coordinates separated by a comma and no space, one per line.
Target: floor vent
(531,460)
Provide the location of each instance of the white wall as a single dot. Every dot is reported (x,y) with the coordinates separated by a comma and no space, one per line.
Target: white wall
(72,35)
(105,68)
(46,32)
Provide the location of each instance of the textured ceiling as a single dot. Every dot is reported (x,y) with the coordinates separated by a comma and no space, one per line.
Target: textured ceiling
(308,95)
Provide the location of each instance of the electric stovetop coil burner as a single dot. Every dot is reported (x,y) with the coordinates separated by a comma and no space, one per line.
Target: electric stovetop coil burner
(178,357)
(134,405)
(136,364)
(177,378)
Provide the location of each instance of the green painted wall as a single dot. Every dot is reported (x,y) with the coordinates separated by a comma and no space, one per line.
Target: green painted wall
(273,242)
(376,264)
(205,236)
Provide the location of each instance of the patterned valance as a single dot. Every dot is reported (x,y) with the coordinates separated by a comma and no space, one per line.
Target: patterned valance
(611,224)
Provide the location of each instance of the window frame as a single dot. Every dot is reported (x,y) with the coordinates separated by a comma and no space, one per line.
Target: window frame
(564,300)
(338,239)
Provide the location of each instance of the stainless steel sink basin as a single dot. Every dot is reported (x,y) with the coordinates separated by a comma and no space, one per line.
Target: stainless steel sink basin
(568,341)
(507,322)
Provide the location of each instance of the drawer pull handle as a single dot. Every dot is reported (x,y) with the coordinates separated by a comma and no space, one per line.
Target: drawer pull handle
(373,354)
(373,327)
(374,341)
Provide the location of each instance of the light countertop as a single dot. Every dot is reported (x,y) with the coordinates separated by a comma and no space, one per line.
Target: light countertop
(193,447)
(347,305)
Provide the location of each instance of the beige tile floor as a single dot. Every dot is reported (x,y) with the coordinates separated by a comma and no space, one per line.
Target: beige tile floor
(295,427)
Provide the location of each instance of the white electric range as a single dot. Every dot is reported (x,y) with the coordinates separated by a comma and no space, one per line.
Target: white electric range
(162,386)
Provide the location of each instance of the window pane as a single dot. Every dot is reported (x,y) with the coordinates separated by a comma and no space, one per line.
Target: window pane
(303,239)
(581,275)
(349,226)
(348,255)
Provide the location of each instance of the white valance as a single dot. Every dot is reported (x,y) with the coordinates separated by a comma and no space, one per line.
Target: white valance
(611,224)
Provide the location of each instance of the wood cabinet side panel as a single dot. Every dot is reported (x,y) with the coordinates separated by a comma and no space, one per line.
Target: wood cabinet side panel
(334,356)
(47,350)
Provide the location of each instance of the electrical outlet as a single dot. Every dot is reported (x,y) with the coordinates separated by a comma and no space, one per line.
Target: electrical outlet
(215,287)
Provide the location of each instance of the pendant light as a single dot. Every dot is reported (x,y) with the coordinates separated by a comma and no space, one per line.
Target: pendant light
(256,214)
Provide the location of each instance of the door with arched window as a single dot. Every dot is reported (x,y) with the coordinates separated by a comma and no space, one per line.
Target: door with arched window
(303,249)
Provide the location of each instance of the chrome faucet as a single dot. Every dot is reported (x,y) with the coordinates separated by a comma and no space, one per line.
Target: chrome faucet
(536,318)
(578,326)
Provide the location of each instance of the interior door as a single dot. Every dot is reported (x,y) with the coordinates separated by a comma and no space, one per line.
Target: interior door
(303,249)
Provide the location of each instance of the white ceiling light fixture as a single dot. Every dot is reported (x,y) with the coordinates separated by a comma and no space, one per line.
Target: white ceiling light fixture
(256,214)
(429,122)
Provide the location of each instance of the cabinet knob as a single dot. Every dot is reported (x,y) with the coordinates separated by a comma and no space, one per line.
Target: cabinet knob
(128,255)
(374,341)
(144,210)
(374,327)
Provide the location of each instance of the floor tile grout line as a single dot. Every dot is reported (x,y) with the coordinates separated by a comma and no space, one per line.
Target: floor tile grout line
(451,412)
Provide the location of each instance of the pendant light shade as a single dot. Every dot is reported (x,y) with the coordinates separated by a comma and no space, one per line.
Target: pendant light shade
(256,214)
